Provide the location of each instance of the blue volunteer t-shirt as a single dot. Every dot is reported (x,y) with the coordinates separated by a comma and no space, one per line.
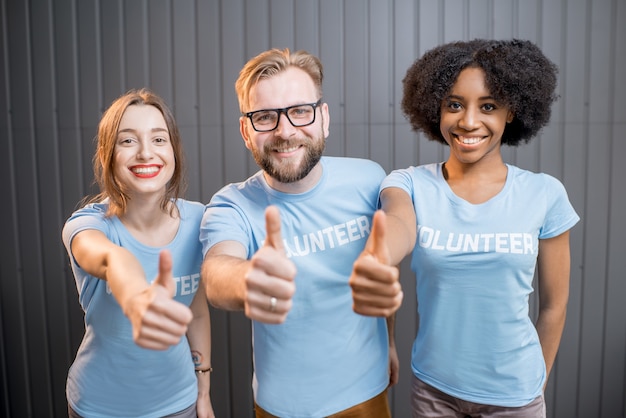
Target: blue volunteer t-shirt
(474,267)
(111,375)
(324,358)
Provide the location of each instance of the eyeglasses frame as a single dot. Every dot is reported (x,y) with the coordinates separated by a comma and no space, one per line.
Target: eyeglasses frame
(284,110)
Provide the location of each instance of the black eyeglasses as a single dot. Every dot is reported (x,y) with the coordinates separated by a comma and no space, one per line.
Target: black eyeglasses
(299,115)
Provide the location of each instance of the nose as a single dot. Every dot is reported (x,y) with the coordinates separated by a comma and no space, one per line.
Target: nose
(145,150)
(284,129)
(469,119)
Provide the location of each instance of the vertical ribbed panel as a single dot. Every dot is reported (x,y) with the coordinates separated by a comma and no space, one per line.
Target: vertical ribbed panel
(63,61)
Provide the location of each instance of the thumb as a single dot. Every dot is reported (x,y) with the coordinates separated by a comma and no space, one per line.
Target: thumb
(377,243)
(273,236)
(165,277)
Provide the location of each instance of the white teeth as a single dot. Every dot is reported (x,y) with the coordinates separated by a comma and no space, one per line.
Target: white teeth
(470,141)
(292,149)
(145,170)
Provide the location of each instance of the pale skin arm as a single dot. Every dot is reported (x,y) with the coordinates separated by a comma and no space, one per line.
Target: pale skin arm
(158,321)
(199,336)
(234,283)
(375,279)
(394,361)
(553,281)
(223,273)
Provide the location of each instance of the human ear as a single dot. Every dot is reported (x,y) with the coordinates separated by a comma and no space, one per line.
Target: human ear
(325,119)
(243,129)
(509,117)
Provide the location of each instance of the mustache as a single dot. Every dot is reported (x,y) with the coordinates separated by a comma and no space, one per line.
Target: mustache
(283,143)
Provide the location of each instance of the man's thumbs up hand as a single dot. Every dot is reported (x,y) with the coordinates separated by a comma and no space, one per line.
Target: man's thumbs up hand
(270,281)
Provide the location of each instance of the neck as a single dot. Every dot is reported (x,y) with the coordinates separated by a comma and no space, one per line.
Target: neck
(144,214)
(296,187)
(485,168)
(150,224)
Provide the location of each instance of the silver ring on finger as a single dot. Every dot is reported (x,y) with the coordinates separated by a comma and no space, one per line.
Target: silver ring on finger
(273,302)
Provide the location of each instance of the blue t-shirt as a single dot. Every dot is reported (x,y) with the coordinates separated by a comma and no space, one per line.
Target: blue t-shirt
(111,375)
(474,267)
(324,358)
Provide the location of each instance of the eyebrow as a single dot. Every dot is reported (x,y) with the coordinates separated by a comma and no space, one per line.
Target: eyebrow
(152,130)
(454,96)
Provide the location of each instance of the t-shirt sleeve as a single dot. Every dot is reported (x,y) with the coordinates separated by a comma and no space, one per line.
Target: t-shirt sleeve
(560,214)
(89,217)
(398,178)
(223,221)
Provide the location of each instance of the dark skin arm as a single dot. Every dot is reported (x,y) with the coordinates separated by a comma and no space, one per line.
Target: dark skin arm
(553,278)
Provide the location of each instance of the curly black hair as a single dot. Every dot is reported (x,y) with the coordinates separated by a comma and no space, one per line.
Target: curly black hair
(517,74)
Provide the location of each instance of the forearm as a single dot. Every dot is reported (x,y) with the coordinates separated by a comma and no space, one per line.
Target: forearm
(116,265)
(391,325)
(553,280)
(401,223)
(394,361)
(224,280)
(199,337)
(125,277)
(550,324)
(400,239)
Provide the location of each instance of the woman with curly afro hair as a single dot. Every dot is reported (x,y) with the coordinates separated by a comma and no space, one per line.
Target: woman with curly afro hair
(478,229)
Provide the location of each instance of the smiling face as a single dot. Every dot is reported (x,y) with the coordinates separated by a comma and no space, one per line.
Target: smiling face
(143,155)
(289,155)
(472,121)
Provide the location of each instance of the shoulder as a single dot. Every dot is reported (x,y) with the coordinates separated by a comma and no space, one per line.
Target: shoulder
(91,216)
(190,211)
(243,198)
(546,181)
(548,194)
(422,179)
(235,190)
(353,161)
(354,166)
(93,212)
(189,206)
(429,171)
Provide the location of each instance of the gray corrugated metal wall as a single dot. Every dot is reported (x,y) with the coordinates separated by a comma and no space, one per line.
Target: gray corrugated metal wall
(63,61)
